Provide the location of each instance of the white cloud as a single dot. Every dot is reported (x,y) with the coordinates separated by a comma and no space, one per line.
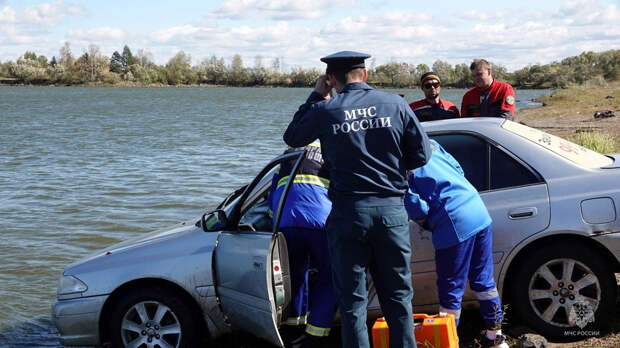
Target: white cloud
(277,9)
(175,34)
(577,7)
(387,27)
(11,36)
(485,16)
(8,15)
(611,14)
(525,37)
(49,13)
(96,35)
(512,37)
(588,12)
(31,25)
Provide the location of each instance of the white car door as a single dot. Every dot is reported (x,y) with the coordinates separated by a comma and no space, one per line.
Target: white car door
(251,260)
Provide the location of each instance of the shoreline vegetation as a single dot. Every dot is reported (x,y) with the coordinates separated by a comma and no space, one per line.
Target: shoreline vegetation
(583,84)
(569,113)
(128,70)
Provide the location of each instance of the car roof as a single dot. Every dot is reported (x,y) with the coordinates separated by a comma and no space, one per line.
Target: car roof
(463,123)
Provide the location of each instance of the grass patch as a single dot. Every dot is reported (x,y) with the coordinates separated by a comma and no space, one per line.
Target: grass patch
(599,142)
(569,114)
(583,100)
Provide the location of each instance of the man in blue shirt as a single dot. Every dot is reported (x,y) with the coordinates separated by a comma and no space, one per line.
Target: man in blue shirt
(440,195)
(369,139)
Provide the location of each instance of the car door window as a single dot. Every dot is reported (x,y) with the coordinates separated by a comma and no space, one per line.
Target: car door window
(472,154)
(509,172)
(257,214)
(486,166)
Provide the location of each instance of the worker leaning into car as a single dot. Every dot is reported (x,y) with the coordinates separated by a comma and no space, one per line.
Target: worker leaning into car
(303,225)
(452,209)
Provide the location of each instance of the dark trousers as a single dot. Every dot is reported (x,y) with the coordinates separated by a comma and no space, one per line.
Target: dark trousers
(308,248)
(374,238)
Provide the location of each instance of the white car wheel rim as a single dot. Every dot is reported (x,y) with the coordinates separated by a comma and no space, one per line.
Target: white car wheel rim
(150,324)
(564,293)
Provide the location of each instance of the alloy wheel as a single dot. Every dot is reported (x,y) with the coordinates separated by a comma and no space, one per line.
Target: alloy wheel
(151,324)
(564,292)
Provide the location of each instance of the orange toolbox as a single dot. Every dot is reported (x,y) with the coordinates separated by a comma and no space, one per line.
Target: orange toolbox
(431,331)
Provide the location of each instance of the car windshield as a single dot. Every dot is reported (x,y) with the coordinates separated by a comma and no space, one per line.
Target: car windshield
(212,221)
(571,151)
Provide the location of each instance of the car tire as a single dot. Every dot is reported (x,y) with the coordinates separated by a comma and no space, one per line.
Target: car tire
(563,290)
(153,317)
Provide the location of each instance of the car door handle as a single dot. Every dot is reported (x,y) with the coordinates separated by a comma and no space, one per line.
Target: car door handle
(522,213)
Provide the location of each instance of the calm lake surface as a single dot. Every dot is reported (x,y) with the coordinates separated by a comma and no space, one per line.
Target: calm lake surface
(83,168)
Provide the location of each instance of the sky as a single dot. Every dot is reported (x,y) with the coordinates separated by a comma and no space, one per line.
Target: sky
(513,34)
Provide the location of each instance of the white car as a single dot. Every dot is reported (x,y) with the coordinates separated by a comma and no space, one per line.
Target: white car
(556,247)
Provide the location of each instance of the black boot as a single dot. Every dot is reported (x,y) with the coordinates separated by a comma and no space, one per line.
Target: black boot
(309,341)
(291,333)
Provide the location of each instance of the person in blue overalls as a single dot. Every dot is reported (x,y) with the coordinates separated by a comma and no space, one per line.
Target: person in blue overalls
(369,139)
(303,225)
(450,207)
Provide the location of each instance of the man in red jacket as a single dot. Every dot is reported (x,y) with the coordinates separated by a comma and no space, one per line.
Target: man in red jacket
(490,98)
(432,108)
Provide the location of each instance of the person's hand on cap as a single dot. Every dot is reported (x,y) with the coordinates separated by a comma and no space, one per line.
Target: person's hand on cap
(323,87)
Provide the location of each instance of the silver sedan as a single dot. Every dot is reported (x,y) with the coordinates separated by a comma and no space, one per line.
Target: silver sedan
(556,247)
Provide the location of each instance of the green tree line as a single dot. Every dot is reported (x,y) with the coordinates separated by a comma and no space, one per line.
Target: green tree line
(127,68)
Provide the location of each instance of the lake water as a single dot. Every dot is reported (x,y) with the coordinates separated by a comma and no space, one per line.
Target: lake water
(83,168)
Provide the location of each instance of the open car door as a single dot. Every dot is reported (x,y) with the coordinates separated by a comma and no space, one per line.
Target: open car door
(250,260)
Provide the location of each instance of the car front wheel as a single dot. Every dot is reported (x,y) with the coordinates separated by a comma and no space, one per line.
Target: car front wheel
(564,289)
(152,318)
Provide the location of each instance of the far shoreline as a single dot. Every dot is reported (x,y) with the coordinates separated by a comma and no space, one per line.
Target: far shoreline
(138,85)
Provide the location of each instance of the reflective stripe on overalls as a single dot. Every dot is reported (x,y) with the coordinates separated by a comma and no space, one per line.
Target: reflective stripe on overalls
(305,179)
(317,331)
(301,320)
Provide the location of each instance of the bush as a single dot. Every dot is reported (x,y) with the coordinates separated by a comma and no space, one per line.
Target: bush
(598,142)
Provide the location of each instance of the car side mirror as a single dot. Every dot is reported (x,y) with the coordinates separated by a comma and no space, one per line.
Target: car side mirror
(219,215)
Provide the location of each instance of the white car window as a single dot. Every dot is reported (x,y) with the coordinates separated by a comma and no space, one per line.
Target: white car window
(472,154)
(486,166)
(571,151)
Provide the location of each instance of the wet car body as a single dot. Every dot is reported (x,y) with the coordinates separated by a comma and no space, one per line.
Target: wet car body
(556,247)
(161,286)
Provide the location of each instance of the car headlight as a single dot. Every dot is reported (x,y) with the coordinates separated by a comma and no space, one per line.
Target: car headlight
(70,285)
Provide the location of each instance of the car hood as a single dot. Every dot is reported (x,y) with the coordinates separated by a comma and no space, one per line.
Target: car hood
(181,255)
(141,241)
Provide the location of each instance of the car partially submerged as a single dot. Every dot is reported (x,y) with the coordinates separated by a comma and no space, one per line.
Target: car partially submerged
(556,247)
